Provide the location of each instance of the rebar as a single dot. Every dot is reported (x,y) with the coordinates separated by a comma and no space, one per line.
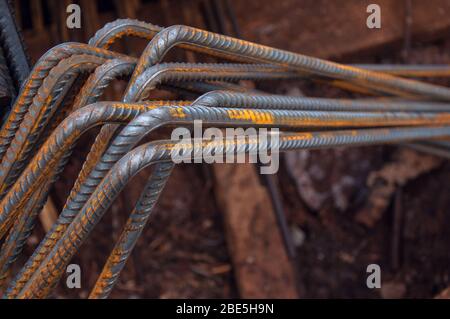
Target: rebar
(53,266)
(143,124)
(34,149)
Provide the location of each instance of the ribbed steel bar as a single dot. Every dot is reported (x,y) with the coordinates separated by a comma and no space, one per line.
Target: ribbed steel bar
(142,64)
(90,93)
(173,72)
(45,102)
(409,70)
(300,119)
(119,28)
(131,231)
(57,145)
(156,75)
(237,99)
(52,268)
(171,36)
(273,101)
(30,87)
(148,73)
(118,257)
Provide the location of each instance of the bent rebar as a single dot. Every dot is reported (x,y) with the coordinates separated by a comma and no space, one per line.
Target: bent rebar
(331,114)
(52,267)
(45,102)
(155,118)
(171,36)
(30,87)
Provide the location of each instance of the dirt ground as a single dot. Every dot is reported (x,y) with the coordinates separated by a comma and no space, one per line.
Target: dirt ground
(347,208)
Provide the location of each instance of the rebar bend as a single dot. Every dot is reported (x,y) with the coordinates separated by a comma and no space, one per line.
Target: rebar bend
(49,272)
(34,81)
(89,94)
(138,218)
(110,72)
(143,124)
(119,28)
(178,72)
(57,145)
(442,118)
(44,105)
(101,78)
(171,36)
(11,205)
(156,75)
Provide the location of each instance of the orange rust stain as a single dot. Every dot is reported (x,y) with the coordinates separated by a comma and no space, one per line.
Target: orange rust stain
(177,112)
(256,117)
(297,137)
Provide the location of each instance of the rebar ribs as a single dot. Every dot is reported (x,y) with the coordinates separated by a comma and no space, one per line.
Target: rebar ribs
(45,121)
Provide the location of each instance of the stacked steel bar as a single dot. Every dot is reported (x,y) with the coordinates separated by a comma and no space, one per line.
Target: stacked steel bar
(34,151)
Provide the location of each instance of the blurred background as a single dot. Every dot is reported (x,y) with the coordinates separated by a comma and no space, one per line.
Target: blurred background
(214,232)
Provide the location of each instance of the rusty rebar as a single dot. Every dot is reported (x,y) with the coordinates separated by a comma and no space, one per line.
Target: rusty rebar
(52,267)
(19,206)
(141,213)
(31,86)
(171,36)
(44,104)
(132,133)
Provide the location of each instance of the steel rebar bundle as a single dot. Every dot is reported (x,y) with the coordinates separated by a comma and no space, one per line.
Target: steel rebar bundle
(62,98)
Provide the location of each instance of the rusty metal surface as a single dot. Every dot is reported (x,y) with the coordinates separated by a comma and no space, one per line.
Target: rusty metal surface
(34,149)
(53,266)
